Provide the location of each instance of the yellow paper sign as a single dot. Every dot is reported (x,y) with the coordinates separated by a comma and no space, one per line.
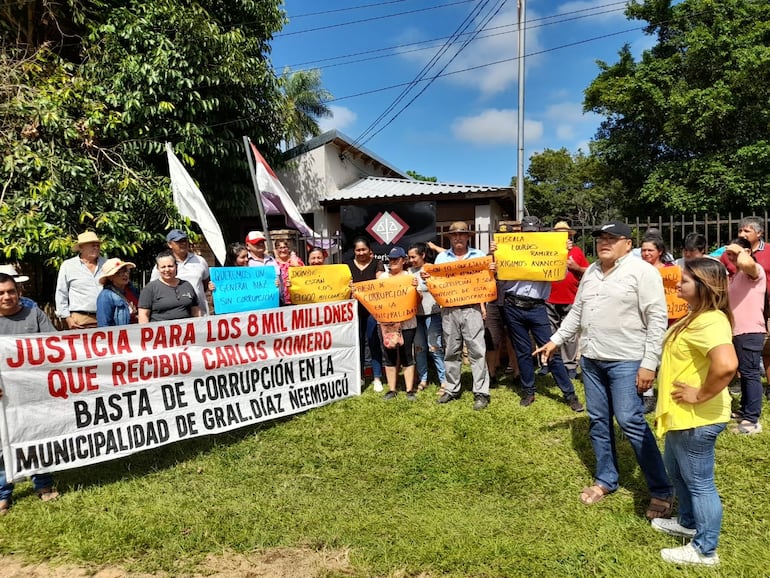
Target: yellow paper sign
(465,282)
(318,283)
(677,308)
(531,256)
(389,300)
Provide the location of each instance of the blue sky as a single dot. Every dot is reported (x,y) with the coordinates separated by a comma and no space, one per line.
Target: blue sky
(463,127)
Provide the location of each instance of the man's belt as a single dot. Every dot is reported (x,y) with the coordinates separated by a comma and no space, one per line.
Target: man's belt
(523,301)
(84,312)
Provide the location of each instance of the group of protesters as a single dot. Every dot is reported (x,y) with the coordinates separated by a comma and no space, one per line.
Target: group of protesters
(609,318)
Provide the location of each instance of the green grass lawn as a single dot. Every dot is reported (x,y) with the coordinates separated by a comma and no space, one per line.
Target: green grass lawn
(410,488)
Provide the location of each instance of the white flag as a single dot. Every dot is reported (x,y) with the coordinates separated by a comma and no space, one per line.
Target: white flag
(191,204)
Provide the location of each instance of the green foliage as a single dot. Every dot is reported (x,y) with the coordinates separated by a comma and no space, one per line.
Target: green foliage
(87,105)
(572,187)
(686,128)
(418,177)
(410,488)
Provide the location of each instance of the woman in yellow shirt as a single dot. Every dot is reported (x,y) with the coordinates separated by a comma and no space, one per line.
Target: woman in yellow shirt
(693,407)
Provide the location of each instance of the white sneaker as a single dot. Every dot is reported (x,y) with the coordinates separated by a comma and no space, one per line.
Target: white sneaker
(377,385)
(688,555)
(672,527)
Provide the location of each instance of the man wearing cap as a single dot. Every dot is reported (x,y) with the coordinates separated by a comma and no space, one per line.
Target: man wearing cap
(11,270)
(464,323)
(190,267)
(15,319)
(77,286)
(525,314)
(621,314)
(563,293)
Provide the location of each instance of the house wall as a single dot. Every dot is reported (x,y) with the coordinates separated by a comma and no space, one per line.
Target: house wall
(322,170)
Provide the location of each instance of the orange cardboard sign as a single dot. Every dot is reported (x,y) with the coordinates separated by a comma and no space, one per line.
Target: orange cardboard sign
(389,300)
(677,308)
(465,282)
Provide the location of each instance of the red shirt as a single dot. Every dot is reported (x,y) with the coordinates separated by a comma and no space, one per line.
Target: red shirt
(563,292)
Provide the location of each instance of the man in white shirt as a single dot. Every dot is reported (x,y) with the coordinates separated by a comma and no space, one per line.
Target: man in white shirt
(620,312)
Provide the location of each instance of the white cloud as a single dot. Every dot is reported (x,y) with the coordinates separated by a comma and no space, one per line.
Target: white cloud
(569,124)
(341,119)
(495,127)
(498,42)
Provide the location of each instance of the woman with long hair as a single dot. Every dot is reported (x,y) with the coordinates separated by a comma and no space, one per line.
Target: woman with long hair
(428,338)
(364,267)
(693,408)
(237,255)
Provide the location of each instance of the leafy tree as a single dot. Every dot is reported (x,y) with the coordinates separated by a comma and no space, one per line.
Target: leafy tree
(305,104)
(686,128)
(418,177)
(89,93)
(561,185)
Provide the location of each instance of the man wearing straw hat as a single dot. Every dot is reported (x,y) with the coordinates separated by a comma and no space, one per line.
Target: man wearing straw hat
(562,296)
(77,286)
(463,324)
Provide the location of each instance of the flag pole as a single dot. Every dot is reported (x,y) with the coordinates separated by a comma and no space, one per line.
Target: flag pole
(257,193)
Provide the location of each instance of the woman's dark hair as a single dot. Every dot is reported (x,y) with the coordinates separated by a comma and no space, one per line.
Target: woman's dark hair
(695,242)
(743,243)
(660,245)
(363,240)
(233,250)
(163,254)
(420,247)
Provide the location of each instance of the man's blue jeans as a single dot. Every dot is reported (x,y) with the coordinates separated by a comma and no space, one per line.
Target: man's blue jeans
(689,459)
(748,348)
(520,323)
(610,388)
(39,482)
(427,340)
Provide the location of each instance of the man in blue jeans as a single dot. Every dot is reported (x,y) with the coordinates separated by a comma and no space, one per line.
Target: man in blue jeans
(620,312)
(526,313)
(16,319)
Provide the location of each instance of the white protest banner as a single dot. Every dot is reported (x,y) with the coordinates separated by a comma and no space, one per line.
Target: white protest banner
(75,398)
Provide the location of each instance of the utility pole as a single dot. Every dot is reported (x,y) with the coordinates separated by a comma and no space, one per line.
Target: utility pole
(522,10)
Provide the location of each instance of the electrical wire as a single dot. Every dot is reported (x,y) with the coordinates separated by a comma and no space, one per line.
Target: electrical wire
(350,23)
(402,52)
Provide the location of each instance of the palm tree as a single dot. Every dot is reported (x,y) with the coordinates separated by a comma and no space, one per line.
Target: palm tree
(306,103)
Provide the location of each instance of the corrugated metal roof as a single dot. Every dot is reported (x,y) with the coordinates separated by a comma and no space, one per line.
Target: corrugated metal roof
(380,187)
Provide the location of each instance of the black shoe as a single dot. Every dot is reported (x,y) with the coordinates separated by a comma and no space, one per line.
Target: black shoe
(527,399)
(574,404)
(390,395)
(481,401)
(411,396)
(446,398)
(649,404)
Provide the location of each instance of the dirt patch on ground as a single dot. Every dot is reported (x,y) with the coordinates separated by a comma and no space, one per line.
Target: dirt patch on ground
(289,562)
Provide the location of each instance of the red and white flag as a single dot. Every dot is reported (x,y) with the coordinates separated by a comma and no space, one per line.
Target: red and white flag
(276,201)
(191,203)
